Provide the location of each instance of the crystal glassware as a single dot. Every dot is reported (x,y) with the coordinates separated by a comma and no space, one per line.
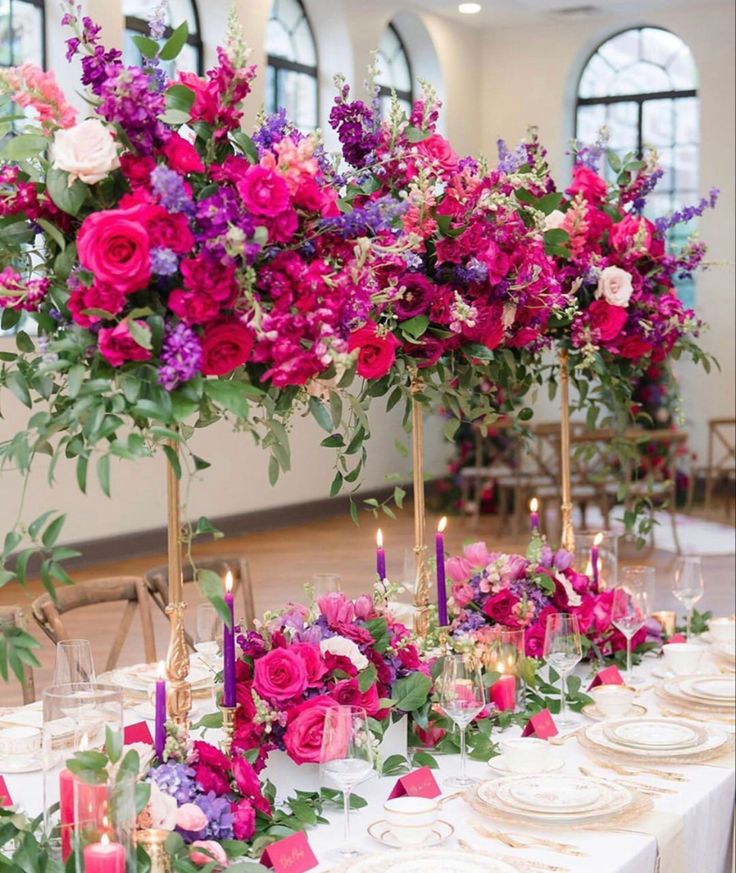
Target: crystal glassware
(74,663)
(346,756)
(462,698)
(689,585)
(563,650)
(103,835)
(606,544)
(326,583)
(209,635)
(630,610)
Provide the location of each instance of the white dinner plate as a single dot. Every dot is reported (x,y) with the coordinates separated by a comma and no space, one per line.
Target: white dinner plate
(426,861)
(675,688)
(383,833)
(143,677)
(20,764)
(545,793)
(721,688)
(655,733)
(595,734)
(499,765)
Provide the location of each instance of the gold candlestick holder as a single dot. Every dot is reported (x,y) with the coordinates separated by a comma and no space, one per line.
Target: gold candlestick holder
(228,728)
(153,840)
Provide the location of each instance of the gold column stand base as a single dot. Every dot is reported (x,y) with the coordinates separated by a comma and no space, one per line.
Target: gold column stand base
(153,841)
(228,728)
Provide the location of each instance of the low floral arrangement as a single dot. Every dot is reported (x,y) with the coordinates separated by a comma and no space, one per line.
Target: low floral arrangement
(302,661)
(515,591)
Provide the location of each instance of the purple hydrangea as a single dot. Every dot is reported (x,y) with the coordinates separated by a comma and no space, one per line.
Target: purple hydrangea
(219,817)
(164,261)
(181,356)
(170,189)
(510,162)
(176,780)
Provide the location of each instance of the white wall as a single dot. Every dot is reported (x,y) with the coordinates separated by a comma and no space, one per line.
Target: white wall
(529,77)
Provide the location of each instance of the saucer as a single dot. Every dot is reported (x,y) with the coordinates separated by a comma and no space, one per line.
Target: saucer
(381,831)
(592,711)
(500,766)
(17,764)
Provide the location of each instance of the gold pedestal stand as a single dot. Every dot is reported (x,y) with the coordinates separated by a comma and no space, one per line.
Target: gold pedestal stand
(153,841)
(421,589)
(567,539)
(228,728)
(178,689)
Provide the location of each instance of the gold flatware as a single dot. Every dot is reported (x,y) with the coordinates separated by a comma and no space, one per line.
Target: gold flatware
(528,842)
(637,770)
(523,865)
(558,741)
(639,786)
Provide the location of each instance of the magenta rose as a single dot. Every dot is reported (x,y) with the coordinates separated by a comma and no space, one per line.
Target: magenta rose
(182,156)
(117,346)
(303,735)
(99,296)
(169,230)
(244,819)
(500,608)
(313,662)
(208,275)
(606,321)
(633,347)
(588,183)
(462,594)
(437,149)
(426,352)
(226,345)
(280,675)
(263,191)
(376,353)
(115,248)
(249,784)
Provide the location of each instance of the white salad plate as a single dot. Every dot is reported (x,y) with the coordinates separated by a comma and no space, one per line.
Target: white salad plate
(720,688)
(596,734)
(655,733)
(500,765)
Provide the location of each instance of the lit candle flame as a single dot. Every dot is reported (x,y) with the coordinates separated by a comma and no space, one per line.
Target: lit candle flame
(104,840)
(228,582)
(84,743)
(379,538)
(589,569)
(534,504)
(598,539)
(161,670)
(442,525)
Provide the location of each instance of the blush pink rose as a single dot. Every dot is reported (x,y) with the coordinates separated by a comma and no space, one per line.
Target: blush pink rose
(303,735)
(462,594)
(280,675)
(606,321)
(115,249)
(615,286)
(189,817)
(263,191)
(117,346)
(477,554)
(438,150)
(87,151)
(459,569)
(210,850)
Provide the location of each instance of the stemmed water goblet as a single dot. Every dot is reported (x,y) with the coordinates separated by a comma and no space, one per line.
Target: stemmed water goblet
(630,609)
(462,698)
(74,663)
(689,584)
(563,650)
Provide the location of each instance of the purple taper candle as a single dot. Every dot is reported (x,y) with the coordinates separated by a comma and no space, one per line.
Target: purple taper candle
(441,584)
(594,553)
(534,513)
(160,724)
(228,647)
(380,556)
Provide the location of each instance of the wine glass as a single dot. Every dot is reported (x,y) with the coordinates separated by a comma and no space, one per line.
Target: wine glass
(326,583)
(74,662)
(208,634)
(563,650)
(346,756)
(688,587)
(462,697)
(629,612)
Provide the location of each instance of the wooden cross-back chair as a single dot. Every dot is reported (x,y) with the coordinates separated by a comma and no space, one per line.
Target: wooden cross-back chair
(129,590)
(15,617)
(721,459)
(157,582)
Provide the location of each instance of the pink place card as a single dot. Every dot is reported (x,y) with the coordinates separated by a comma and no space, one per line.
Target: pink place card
(137,733)
(609,676)
(5,798)
(677,638)
(418,783)
(291,855)
(541,726)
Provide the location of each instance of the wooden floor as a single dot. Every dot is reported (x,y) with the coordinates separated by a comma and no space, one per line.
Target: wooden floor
(283,560)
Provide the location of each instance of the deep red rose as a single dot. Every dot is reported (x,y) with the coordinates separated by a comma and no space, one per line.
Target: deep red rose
(226,345)
(115,249)
(99,296)
(193,307)
(205,274)
(303,735)
(244,819)
(137,169)
(416,292)
(348,693)
(588,183)
(498,608)
(212,780)
(425,353)
(182,156)
(606,321)
(376,354)
(211,756)
(117,346)
(633,347)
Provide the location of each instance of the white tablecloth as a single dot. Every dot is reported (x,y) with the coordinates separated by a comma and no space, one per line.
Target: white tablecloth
(704,802)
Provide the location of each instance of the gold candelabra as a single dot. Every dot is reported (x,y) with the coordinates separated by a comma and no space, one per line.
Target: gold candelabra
(179,691)
(568,533)
(421,588)
(228,728)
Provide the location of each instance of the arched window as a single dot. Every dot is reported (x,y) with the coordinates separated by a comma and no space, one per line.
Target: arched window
(642,85)
(291,71)
(137,16)
(22,29)
(394,70)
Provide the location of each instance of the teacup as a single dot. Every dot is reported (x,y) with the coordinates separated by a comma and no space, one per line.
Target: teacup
(526,754)
(682,658)
(411,818)
(21,741)
(613,701)
(723,629)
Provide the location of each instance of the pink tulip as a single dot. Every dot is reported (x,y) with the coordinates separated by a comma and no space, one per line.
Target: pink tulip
(459,569)
(477,554)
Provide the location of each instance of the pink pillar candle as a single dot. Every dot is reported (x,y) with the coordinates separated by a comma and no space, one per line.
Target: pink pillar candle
(91,802)
(104,857)
(503,694)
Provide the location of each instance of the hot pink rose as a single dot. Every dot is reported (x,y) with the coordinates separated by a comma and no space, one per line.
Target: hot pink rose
(280,675)
(263,191)
(606,321)
(282,227)
(500,608)
(376,353)
(189,817)
(477,554)
(226,345)
(115,249)
(117,346)
(348,693)
(630,230)
(336,608)
(313,662)
(303,735)
(437,149)
(589,183)
(249,785)
(244,819)
(182,156)
(458,569)
(209,851)
(462,594)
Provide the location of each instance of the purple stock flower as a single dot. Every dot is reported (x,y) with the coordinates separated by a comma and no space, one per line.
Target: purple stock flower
(273,130)
(181,356)
(128,99)
(176,780)
(164,262)
(373,217)
(357,128)
(97,67)
(170,189)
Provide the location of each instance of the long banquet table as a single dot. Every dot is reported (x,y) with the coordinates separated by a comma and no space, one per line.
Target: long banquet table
(704,804)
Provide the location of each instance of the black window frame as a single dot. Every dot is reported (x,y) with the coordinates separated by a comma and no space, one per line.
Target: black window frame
(282,65)
(38,4)
(386,90)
